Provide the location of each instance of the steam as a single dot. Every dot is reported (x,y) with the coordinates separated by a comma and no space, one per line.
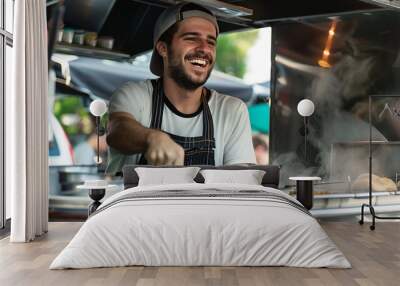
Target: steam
(334,128)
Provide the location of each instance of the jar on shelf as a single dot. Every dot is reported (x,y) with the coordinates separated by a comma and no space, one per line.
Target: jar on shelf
(105,42)
(59,36)
(79,37)
(91,39)
(68,35)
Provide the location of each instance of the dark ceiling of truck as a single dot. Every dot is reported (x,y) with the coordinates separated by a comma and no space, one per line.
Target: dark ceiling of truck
(131,22)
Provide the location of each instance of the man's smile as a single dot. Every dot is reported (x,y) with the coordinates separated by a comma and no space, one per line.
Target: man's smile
(199,63)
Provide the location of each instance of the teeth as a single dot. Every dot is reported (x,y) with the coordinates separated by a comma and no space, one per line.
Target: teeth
(200,62)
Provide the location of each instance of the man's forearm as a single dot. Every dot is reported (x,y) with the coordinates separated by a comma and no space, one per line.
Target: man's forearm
(128,136)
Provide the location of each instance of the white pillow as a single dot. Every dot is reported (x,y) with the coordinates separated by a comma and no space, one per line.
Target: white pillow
(163,176)
(248,177)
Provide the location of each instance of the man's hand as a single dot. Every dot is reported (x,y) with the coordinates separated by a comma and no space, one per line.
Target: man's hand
(129,137)
(162,150)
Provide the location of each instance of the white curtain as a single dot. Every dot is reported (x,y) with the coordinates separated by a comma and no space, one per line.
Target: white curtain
(26,119)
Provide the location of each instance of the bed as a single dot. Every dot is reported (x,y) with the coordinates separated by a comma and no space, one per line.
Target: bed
(201,224)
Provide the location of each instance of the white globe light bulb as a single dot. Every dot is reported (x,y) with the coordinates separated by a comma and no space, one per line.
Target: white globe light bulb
(98,107)
(305,107)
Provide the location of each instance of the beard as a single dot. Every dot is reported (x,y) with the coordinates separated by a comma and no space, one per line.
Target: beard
(177,72)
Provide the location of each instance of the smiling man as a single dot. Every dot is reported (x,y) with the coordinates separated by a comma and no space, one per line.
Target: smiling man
(175,120)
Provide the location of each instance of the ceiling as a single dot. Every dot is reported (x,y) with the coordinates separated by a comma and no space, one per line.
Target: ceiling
(131,22)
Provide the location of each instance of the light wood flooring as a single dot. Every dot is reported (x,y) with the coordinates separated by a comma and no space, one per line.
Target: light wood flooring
(375,257)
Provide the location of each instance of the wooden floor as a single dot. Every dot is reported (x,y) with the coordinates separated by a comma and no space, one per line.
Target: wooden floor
(375,257)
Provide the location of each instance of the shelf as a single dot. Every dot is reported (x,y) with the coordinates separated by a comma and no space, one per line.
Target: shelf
(341,211)
(92,52)
(348,195)
(374,142)
(354,195)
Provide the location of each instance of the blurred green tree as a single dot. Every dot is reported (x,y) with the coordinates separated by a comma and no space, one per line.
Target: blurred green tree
(72,115)
(232,49)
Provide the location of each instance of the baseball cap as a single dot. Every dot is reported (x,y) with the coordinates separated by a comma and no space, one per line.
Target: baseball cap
(167,19)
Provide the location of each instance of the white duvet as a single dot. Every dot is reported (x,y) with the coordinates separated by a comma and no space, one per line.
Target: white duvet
(183,231)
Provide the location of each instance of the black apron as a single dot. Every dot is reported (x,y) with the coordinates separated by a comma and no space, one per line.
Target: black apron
(198,150)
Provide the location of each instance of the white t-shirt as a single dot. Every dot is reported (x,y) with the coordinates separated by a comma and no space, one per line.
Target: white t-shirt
(232,131)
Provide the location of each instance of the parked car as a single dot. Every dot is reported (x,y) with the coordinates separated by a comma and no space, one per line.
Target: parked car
(61,152)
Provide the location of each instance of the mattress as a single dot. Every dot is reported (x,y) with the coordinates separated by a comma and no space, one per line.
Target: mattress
(201,225)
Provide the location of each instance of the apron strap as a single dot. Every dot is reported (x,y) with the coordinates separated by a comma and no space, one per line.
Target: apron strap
(208,125)
(158,108)
(206,153)
(157,104)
